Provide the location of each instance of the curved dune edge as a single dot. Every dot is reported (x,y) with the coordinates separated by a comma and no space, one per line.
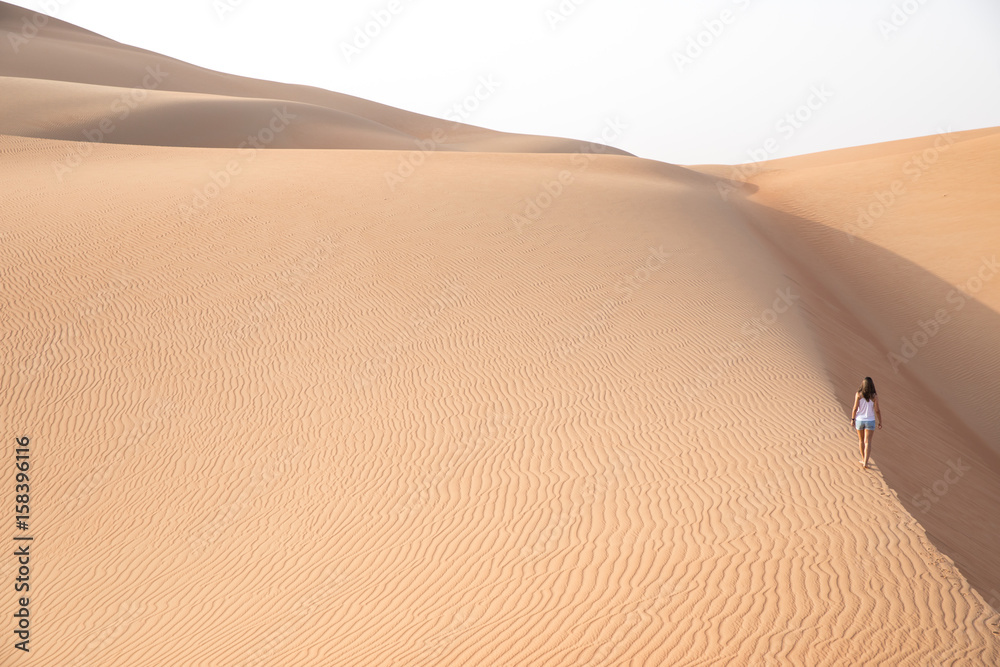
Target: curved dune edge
(103,114)
(916,219)
(322,420)
(136,83)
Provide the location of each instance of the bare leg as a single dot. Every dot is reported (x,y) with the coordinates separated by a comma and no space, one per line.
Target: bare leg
(868,446)
(861,445)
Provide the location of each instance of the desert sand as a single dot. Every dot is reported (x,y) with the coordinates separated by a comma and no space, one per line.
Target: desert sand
(525,401)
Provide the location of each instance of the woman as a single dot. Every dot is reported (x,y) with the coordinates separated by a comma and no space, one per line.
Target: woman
(863,416)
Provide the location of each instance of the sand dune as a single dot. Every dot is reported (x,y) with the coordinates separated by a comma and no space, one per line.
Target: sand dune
(37,108)
(135,80)
(305,407)
(901,249)
(401,431)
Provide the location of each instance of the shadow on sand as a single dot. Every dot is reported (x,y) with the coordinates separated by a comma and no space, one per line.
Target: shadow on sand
(946,475)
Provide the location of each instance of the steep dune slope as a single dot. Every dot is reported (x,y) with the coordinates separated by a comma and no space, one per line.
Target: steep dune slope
(900,244)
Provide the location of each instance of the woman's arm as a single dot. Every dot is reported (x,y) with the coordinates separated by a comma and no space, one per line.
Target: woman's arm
(878,413)
(854,410)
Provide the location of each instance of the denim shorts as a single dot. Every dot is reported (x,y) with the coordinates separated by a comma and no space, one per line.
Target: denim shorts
(865,425)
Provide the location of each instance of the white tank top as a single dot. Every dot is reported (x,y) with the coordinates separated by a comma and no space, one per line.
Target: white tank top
(866,410)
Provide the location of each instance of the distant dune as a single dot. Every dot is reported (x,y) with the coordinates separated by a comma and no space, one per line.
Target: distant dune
(159,101)
(523,401)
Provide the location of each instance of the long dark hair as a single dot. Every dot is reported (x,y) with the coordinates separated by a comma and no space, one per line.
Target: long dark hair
(867,389)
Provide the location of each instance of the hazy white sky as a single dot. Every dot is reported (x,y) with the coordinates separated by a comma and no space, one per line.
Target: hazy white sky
(692,82)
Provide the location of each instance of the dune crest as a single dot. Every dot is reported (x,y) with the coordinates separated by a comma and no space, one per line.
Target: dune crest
(899,243)
(177,105)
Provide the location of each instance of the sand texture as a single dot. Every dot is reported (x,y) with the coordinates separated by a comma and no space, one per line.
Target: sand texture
(529,402)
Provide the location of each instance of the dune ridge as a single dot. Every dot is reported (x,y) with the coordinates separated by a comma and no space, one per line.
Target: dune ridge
(61,52)
(540,405)
(915,219)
